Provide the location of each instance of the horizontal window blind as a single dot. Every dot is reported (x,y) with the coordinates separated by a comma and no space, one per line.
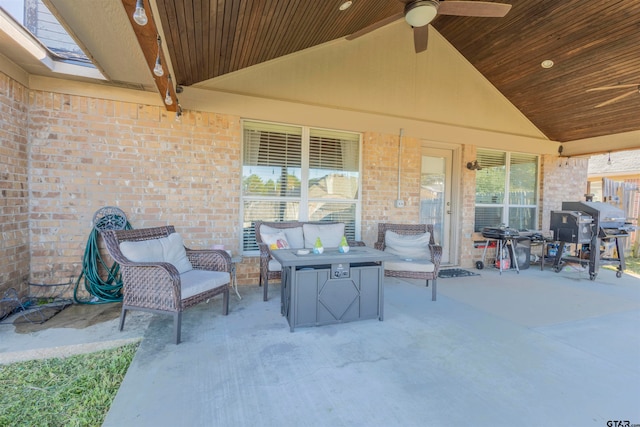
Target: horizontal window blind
(272,145)
(333,151)
(490,180)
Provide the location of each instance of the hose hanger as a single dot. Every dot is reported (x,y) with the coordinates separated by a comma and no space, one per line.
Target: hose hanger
(102,290)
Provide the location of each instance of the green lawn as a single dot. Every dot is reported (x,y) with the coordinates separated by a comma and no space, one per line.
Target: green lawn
(74,391)
(633,265)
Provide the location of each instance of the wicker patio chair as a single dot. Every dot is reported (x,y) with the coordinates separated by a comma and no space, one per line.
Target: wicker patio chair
(270,268)
(412,229)
(158,286)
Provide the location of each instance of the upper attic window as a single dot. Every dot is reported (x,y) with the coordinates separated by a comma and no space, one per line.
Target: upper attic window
(31,23)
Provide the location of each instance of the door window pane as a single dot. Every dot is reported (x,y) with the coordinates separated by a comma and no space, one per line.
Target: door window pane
(432,197)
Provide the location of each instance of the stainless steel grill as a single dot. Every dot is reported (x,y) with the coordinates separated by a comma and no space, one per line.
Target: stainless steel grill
(589,225)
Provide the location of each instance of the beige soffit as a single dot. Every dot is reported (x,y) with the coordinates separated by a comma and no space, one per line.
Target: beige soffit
(602,144)
(104,29)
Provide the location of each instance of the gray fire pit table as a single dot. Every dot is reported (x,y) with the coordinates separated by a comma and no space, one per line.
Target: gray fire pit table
(332,287)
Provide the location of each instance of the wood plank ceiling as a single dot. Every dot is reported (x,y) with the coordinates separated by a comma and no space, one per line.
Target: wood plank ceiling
(592,44)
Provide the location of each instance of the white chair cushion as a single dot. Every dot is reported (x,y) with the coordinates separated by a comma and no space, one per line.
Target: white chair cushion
(293,234)
(414,265)
(197,281)
(166,249)
(330,234)
(174,253)
(142,251)
(414,246)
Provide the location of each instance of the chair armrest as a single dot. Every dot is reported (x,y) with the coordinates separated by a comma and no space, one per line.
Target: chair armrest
(353,243)
(264,250)
(379,246)
(265,256)
(436,256)
(209,259)
(141,279)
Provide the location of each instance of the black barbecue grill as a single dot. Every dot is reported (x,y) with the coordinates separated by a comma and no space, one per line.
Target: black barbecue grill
(505,238)
(588,225)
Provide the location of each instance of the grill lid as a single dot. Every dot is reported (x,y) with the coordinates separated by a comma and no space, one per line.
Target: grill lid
(605,215)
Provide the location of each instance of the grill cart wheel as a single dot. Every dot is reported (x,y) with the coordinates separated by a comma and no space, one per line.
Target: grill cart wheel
(479,265)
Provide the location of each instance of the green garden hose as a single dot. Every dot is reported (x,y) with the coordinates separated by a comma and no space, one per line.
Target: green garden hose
(108,289)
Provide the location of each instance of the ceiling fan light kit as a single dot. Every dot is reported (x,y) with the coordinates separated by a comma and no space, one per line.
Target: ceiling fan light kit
(420,13)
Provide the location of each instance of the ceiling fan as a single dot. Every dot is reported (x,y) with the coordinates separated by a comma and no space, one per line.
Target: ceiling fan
(636,89)
(419,13)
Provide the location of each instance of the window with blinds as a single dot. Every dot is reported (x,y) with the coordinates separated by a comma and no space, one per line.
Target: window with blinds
(506,190)
(296,173)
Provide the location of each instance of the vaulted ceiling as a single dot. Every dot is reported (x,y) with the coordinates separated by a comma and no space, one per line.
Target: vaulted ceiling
(591,43)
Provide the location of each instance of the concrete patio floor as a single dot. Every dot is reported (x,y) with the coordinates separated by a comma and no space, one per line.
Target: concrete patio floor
(532,349)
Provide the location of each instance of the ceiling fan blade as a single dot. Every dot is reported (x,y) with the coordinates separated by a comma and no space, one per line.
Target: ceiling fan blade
(420,38)
(612,87)
(381,23)
(482,9)
(617,98)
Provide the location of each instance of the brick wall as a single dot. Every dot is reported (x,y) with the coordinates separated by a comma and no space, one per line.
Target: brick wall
(565,179)
(14,196)
(380,182)
(88,153)
(468,254)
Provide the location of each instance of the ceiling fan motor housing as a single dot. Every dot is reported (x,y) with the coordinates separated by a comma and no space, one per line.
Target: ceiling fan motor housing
(420,13)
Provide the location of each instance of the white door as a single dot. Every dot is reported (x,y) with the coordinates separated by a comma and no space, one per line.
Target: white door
(435,196)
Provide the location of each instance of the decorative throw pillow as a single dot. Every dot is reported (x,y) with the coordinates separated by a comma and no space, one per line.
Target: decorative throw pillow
(330,234)
(293,234)
(408,246)
(276,240)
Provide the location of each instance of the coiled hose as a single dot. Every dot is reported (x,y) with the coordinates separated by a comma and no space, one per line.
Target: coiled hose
(103,291)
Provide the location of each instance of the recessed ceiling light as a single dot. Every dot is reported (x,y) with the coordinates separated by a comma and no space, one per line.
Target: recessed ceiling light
(547,63)
(346,5)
